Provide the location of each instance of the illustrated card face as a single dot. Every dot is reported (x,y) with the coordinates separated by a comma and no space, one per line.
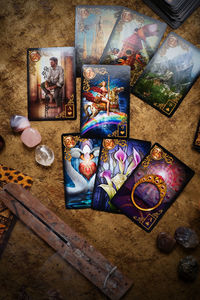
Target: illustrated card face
(133,42)
(51,83)
(169,75)
(152,187)
(196,142)
(94,25)
(105,101)
(117,159)
(80,160)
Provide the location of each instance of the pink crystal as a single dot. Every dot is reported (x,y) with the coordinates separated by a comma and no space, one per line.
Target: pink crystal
(31,137)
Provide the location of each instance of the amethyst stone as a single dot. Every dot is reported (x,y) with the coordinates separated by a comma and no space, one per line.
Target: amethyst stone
(188,268)
(165,242)
(186,237)
(19,123)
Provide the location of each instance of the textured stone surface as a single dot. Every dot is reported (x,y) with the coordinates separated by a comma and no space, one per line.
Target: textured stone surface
(44,155)
(19,123)
(165,242)
(186,237)
(27,260)
(188,268)
(31,137)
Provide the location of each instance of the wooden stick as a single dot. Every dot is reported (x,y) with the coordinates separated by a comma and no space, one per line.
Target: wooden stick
(73,248)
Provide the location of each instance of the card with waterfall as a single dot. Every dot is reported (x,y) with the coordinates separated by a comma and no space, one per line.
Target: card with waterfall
(169,75)
(80,160)
(117,160)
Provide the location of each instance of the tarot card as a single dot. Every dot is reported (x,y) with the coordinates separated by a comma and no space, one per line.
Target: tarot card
(152,187)
(169,75)
(196,142)
(105,101)
(133,42)
(94,25)
(80,160)
(51,83)
(117,159)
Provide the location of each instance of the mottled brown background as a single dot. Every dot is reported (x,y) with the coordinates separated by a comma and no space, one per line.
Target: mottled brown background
(27,261)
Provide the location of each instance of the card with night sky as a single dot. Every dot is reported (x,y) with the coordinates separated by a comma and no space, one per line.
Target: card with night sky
(105,101)
(117,160)
(152,187)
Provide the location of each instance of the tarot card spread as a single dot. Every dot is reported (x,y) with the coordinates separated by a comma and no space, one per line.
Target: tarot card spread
(51,83)
(105,101)
(117,159)
(80,159)
(152,187)
(169,75)
(94,25)
(133,42)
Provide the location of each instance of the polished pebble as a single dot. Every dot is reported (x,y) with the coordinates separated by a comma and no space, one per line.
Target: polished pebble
(19,123)
(2,143)
(31,137)
(165,242)
(186,237)
(44,155)
(188,268)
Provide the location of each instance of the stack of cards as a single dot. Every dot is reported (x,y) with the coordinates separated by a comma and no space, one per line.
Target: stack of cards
(174,12)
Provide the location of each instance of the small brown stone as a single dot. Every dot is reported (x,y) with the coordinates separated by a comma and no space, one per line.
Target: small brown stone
(165,242)
(2,143)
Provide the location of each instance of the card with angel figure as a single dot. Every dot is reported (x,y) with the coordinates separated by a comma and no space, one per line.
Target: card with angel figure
(134,40)
(94,24)
(51,83)
(117,160)
(152,187)
(80,160)
(105,101)
(169,75)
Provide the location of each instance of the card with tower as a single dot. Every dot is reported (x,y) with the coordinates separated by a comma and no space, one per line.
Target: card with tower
(94,24)
(105,101)
(134,40)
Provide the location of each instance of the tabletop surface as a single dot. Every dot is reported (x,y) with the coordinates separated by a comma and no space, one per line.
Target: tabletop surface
(29,267)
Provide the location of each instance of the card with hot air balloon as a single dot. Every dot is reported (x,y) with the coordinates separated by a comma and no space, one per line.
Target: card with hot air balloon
(105,101)
(134,40)
(80,160)
(152,187)
(117,160)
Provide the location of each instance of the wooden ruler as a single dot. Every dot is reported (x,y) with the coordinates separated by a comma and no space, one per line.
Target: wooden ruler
(63,239)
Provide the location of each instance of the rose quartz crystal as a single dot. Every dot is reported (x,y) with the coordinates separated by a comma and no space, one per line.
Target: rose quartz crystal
(31,137)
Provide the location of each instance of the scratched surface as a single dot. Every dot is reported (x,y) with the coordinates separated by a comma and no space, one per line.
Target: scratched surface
(28,266)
